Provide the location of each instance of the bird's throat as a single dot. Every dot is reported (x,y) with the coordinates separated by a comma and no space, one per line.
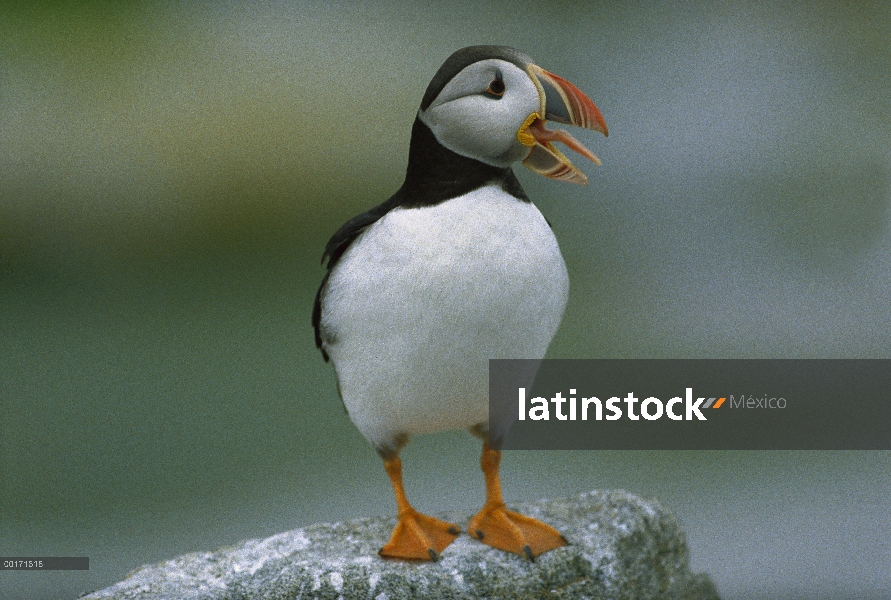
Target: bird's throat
(436,174)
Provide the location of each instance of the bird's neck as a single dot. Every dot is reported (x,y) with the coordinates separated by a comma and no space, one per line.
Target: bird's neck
(436,174)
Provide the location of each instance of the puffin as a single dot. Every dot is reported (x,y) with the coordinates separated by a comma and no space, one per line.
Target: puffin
(456,268)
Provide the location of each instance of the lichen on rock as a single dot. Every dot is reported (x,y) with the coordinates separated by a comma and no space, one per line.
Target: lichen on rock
(620,547)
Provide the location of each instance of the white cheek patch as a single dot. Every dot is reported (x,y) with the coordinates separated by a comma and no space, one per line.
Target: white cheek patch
(475,125)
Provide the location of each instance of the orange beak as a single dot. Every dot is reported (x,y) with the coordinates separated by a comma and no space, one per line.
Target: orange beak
(561,102)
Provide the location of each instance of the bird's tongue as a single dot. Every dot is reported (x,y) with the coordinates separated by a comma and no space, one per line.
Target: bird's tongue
(545,159)
(545,136)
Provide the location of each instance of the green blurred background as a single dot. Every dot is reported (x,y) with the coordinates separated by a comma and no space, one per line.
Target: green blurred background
(170,172)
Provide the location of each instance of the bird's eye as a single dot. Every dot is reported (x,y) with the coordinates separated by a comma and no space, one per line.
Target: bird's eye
(496,88)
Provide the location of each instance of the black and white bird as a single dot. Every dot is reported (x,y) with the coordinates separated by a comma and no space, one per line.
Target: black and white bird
(457,267)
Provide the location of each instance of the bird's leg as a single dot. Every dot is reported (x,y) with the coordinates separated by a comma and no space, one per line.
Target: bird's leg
(505,529)
(416,536)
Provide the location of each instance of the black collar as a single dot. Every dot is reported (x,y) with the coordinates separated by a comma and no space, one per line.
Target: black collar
(436,174)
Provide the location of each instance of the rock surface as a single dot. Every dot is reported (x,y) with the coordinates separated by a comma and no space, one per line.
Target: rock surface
(621,547)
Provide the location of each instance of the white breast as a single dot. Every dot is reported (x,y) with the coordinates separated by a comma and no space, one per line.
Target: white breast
(424,297)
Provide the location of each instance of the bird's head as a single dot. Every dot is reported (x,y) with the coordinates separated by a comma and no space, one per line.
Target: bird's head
(490,103)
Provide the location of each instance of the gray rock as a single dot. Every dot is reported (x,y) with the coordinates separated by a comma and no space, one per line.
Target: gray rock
(620,547)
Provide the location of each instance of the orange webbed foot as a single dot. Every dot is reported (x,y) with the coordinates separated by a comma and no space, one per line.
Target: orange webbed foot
(419,537)
(511,531)
(505,529)
(514,532)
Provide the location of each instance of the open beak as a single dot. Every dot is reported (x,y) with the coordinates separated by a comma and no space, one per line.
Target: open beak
(561,102)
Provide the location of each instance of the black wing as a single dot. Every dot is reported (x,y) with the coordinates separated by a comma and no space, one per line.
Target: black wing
(335,248)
